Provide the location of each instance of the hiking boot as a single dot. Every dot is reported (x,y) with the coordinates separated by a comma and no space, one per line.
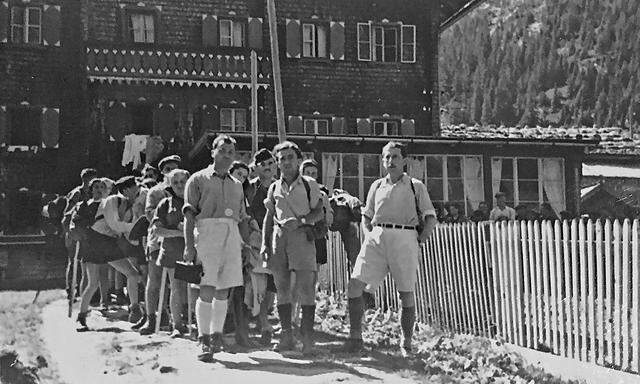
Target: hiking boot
(217,343)
(82,318)
(135,313)
(206,355)
(140,323)
(265,338)
(179,331)
(287,342)
(150,327)
(309,346)
(353,346)
(406,349)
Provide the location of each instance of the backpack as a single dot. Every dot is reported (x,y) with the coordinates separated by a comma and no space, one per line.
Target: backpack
(321,227)
(82,218)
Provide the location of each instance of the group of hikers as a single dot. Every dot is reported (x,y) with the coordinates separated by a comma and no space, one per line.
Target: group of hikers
(253,240)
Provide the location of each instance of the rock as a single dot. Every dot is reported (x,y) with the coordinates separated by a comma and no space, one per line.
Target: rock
(42,362)
(167,369)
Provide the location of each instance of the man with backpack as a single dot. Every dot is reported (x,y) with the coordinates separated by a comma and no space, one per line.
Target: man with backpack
(398,216)
(293,207)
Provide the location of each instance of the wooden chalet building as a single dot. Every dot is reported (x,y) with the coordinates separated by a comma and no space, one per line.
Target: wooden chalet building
(82,75)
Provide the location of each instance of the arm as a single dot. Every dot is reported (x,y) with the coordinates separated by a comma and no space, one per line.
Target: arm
(428,212)
(367,215)
(267,225)
(189,238)
(366,223)
(112,218)
(430,223)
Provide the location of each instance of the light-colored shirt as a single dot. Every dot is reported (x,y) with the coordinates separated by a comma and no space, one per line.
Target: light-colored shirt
(291,201)
(395,203)
(112,224)
(210,195)
(154,196)
(498,214)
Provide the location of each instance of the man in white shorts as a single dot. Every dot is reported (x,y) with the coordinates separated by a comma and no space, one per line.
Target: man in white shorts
(398,216)
(213,208)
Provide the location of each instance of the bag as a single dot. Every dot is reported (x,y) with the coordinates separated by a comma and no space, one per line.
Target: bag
(189,272)
(320,229)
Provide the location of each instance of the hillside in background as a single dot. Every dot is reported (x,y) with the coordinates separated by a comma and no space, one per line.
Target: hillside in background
(543,62)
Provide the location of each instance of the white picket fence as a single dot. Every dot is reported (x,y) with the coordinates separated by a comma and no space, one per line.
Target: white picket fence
(571,288)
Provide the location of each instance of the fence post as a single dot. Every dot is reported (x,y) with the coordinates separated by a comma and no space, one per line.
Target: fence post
(567,288)
(600,292)
(540,302)
(609,290)
(635,302)
(583,291)
(624,335)
(617,280)
(545,284)
(591,293)
(486,283)
(559,302)
(575,279)
(553,302)
(526,274)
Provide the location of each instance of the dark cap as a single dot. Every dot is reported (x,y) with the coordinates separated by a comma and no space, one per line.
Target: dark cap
(263,154)
(125,182)
(169,159)
(500,194)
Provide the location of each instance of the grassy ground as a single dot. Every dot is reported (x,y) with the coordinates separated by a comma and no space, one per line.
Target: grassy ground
(21,347)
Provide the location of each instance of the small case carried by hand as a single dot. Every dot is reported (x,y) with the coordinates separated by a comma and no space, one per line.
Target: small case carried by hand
(191,273)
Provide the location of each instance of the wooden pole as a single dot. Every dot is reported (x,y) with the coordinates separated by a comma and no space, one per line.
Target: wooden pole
(74,277)
(254,102)
(275,64)
(163,283)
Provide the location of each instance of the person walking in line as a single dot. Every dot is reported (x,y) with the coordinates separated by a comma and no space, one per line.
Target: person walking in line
(168,225)
(103,246)
(154,272)
(293,206)
(265,169)
(501,211)
(214,206)
(398,216)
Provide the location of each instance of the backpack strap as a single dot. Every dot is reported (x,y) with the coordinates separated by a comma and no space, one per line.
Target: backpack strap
(415,197)
(308,189)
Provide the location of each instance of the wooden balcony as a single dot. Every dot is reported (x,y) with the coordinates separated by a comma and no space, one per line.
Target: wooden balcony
(174,67)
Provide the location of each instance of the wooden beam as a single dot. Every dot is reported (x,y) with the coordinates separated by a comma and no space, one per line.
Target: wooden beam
(254,101)
(275,64)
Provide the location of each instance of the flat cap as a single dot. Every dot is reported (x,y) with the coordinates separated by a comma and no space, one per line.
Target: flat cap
(169,159)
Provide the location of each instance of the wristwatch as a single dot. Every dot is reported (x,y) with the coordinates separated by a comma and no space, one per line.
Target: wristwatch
(303,221)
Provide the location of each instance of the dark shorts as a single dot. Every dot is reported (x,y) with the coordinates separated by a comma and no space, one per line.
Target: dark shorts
(152,257)
(321,251)
(271,285)
(101,249)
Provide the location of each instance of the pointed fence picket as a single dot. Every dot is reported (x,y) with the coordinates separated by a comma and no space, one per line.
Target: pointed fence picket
(570,287)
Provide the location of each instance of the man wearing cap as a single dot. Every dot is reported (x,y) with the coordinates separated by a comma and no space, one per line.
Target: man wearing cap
(293,205)
(214,206)
(265,168)
(154,272)
(398,216)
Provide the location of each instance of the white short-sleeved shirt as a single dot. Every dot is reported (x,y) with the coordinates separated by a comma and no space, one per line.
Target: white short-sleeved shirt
(292,201)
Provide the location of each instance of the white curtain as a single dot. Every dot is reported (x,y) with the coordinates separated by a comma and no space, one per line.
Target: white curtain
(473,181)
(416,167)
(553,183)
(330,170)
(137,23)
(496,174)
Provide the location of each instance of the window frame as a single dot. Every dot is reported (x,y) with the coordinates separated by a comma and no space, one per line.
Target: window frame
(234,126)
(375,29)
(340,177)
(233,21)
(29,112)
(316,120)
(315,41)
(386,123)
(361,41)
(25,26)
(130,13)
(403,44)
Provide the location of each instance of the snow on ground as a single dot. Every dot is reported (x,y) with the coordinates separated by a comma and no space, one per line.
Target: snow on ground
(112,353)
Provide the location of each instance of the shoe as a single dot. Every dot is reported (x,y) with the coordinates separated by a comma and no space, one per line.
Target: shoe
(217,343)
(179,331)
(82,318)
(309,346)
(206,355)
(135,313)
(265,338)
(353,346)
(406,349)
(150,327)
(140,323)
(287,342)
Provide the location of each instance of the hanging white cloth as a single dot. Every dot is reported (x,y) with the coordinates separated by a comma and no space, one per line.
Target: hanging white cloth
(473,181)
(133,146)
(330,170)
(496,175)
(553,183)
(416,167)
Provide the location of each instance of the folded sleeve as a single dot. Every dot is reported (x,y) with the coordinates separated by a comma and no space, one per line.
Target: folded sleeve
(424,201)
(192,195)
(314,193)
(113,219)
(369,209)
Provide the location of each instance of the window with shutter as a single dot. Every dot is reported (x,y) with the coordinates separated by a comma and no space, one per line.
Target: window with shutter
(141,27)
(408,43)
(337,40)
(293,38)
(364,41)
(385,43)
(385,128)
(232,33)
(313,126)
(314,40)
(26,25)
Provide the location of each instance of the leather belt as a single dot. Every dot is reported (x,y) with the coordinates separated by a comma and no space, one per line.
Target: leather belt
(396,226)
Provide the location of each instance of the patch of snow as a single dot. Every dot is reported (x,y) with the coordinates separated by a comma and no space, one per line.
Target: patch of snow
(600,170)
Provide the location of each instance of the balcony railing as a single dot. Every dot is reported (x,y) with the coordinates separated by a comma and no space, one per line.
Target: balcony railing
(174,67)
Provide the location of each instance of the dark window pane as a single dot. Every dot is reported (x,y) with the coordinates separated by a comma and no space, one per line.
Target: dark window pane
(323,127)
(507,169)
(142,119)
(528,190)
(350,165)
(17,34)
(528,169)
(351,185)
(434,166)
(371,165)
(34,16)
(434,186)
(506,186)
(456,190)
(453,166)
(34,35)
(367,181)
(25,126)
(17,15)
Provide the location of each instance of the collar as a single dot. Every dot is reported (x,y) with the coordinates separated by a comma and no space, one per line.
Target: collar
(298,180)
(403,179)
(215,173)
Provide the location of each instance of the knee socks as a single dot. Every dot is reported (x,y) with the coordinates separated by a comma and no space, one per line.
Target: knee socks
(308,318)
(218,314)
(203,317)
(356,311)
(407,321)
(284,312)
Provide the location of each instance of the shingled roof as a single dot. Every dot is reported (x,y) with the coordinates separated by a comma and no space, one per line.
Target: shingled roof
(611,140)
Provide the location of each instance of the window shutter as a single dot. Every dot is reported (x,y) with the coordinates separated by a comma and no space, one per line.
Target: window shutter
(407,127)
(364,126)
(124,24)
(408,44)
(51,25)
(338,125)
(50,127)
(255,32)
(364,41)
(337,40)
(210,30)
(4,125)
(293,38)
(4,21)
(117,121)
(295,124)
(165,118)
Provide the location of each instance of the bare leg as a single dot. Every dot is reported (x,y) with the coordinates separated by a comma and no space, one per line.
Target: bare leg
(93,277)
(176,297)
(125,267)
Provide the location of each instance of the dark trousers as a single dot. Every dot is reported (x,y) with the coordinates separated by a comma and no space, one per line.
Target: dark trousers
(240,314)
